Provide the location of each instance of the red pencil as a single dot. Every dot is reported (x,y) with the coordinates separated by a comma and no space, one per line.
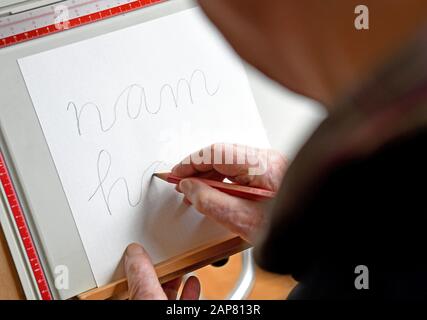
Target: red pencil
(233,189)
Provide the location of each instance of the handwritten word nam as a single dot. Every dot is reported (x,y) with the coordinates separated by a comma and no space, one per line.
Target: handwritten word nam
(182,85)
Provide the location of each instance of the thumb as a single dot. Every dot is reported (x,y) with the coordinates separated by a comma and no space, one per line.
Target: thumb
(142,279)
(191,289)
(236,214)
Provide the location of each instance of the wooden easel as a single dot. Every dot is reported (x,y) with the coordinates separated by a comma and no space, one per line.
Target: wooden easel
(173,268)
(10,287)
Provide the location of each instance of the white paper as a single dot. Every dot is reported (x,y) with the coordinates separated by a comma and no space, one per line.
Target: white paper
(102,130)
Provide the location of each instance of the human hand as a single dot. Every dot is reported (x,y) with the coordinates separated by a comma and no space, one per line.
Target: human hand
(243,165)
(143,283)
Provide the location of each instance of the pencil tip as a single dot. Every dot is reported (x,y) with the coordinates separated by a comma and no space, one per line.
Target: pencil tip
(161,175)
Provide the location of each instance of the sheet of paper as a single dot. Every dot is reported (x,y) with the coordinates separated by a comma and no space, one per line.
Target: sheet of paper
(118,107)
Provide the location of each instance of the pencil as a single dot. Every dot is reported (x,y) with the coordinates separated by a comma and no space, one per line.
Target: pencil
(251,193)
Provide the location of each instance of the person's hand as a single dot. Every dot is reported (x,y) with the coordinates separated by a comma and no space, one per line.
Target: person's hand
(242,165)
(143,283)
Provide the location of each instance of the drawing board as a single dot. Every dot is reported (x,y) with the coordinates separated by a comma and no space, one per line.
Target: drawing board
(34,171)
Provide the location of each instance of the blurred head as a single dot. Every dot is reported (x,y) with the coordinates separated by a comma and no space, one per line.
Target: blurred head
(311,46)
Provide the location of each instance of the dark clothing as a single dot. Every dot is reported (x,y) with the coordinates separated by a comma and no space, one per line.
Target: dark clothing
(356,194)
(368,212)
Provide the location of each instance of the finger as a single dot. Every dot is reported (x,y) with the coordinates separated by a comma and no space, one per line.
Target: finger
(267,175)
(142,279)
(240,216)
(191,290)
(227,159)
(211,175)
(171,288)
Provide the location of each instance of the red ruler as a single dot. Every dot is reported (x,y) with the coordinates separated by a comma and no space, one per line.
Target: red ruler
(24,232)
(21,28)
(17,29)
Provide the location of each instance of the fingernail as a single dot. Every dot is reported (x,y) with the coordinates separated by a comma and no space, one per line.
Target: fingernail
(185,186)
(134,249)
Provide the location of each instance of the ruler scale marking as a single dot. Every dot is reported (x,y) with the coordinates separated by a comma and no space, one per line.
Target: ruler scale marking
(23,231)
(74,22)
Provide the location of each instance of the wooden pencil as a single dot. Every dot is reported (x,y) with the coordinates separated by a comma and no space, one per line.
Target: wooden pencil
(251,193)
